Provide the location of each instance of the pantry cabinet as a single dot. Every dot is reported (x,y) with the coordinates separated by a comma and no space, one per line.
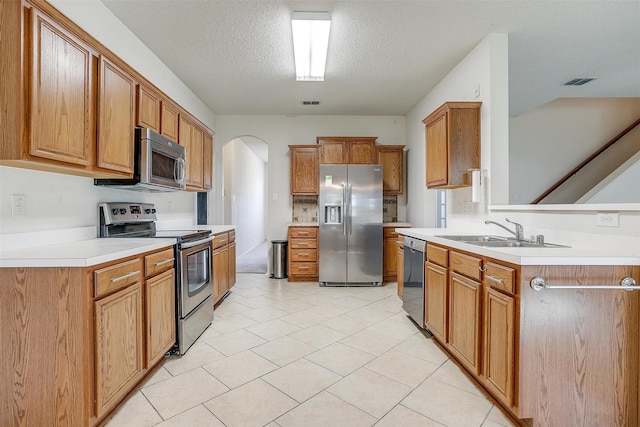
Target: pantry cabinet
(452,135)
(347,150)
(391,157)
(304,169)
(116,117)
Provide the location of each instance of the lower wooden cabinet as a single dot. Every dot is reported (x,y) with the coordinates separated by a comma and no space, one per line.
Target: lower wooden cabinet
(119,346)
(464,320)
(232,259)
(303,254)
(220,272)
(400,264)
(390,255)
(160,308)
(435,300)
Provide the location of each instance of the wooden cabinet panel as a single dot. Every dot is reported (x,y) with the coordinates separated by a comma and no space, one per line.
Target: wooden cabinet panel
(304,255)
(498,345)
(304,169)
(160,309)
(304,232)
(62,95)
(390,255)
(169,118)
(452,142)
(435,297)
(391,157)
(437,255)
(500,277)
(464,320)
(207,162)
(220,240)
(232,264)
(467,265)
(148,108)
(361,152)
(220,273)
(347,149)
(118,346)
(116,118)
(158,262)
(333,151)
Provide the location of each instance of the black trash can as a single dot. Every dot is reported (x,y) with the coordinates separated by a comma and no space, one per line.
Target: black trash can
(279,259)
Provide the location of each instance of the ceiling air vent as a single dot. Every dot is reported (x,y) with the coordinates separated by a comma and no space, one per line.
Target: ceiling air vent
(579,81)
(310,102)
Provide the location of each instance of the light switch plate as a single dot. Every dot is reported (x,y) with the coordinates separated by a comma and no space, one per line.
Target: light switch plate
(607,219)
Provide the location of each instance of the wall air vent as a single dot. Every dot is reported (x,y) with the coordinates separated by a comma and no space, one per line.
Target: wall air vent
(310,102)
(579,81)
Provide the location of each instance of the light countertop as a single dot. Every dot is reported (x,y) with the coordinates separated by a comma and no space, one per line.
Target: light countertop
(584,249)
(55,251)
(315,224)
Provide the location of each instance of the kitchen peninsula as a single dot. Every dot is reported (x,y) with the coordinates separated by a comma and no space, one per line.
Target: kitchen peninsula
(551,356)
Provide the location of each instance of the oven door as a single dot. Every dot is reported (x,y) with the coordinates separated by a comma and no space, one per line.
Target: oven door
(195,275)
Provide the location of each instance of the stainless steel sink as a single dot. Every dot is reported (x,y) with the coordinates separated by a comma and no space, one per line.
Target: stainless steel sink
(499,242)
(470,239)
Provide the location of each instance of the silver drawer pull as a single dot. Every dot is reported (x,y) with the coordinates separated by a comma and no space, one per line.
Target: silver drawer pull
(495,279)
(303,268)
(222,241)
(303,244)
(126,276)
(303,233)
(166,261)
(303,254)
(627,284)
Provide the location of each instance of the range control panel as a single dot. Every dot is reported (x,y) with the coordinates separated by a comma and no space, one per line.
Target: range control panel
(114,213)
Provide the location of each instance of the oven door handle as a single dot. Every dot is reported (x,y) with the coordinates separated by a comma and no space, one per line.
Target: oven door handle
(196,243)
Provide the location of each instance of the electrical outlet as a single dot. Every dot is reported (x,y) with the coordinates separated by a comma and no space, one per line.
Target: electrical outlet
(607,219)
(18,205)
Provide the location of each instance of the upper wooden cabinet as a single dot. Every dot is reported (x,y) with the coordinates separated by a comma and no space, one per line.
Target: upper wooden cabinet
(60,107)
(207,161)
(116,113)
(347,150)
(452,144)
(169,120)
(304,169)
(198,144)
(391,157)
(149,105)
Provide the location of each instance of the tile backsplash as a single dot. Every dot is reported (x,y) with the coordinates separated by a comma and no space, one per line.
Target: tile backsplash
(305,209)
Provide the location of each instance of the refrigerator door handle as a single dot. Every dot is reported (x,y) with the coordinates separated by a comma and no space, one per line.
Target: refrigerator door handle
(349,217)
(344,212)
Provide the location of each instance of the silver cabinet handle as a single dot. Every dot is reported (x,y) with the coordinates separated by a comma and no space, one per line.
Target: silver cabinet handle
(166,261)
(626,284)
(126,276)
(495,279)
(303,233)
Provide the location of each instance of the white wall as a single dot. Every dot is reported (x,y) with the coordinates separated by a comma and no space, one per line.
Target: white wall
(245,190)
(549,141)
(484,69)
(281,131)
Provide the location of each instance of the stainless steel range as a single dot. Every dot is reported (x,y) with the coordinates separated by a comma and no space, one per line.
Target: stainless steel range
(193,254)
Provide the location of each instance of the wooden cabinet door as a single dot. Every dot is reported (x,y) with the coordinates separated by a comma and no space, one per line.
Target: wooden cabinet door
(61,117)
(390,255)
(169,118)
(232,264)
(148,108)
(192,138)
(437,158)
(207,161)
(498,346)
(118,346)
(391,157)
(361,152)
(116,118)
(220,272)
(400,259)
(304,170)
(435,297)
(464,320)
(160,308)
(333,151)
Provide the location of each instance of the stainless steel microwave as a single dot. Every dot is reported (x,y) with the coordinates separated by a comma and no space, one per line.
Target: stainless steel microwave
(159,165)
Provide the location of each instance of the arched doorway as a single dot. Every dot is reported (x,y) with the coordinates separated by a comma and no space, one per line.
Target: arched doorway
(245,164)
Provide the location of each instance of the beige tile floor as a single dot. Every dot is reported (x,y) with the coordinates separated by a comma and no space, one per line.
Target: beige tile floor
(295,354)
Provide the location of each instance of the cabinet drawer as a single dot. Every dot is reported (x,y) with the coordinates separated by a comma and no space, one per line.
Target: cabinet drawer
(465,264)
(158,262)
(220,240)
(303,243)
(304,254)
(500,277)
(304,232)
(232,236)
(390,232)
(437,255)
(304,269)
(110,279)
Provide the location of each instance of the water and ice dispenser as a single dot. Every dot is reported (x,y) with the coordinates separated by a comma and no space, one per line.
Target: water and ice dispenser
(333,213)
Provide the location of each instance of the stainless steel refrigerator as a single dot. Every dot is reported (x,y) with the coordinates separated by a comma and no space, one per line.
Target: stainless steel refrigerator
(350,225)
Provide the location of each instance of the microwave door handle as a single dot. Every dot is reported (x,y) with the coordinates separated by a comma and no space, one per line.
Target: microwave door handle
(179,170)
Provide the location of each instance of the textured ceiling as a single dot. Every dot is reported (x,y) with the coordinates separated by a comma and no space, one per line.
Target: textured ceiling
(385,56)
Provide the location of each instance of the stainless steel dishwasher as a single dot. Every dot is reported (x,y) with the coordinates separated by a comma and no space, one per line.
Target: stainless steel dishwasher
(413,291)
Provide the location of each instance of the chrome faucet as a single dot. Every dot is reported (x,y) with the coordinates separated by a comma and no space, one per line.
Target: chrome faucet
(519,233)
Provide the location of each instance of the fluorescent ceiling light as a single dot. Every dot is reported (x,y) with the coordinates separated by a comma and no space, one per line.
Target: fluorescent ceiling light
(310,43)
